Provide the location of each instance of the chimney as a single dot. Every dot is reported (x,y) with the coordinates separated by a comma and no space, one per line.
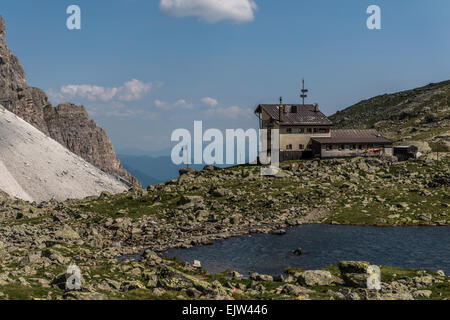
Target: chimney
(280,110)
(316,107)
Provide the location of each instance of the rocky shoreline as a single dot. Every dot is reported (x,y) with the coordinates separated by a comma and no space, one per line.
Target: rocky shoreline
(39,241)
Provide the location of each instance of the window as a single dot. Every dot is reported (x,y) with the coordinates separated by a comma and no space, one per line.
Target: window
(360,147)
(309,130)
(323,130)
(316,130)
(341,147)
(289,130)
(309,146)
(329,147)
(289,147)
(301,146)
(300,130)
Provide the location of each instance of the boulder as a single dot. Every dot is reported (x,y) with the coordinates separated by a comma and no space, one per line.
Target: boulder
(67,233)
(353,266)
(131,285)
(356,280)
(423,281)
(190,200)
(278,232)
(152,281)
(219,192)
(150,255)
(312,278)
(425,217)
(54,256)
(260,277)
(294,290)
(422,294)
(172,279)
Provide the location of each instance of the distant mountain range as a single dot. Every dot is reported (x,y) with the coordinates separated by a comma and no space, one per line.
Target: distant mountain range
(152,170)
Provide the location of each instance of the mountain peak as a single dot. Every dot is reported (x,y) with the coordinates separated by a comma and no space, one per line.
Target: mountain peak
(68,124)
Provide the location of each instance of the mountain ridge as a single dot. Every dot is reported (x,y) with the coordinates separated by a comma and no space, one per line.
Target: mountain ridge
(67,123)
(418,116)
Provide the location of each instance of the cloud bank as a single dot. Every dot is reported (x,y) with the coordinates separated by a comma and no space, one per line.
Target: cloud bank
(211,10)
(132,90)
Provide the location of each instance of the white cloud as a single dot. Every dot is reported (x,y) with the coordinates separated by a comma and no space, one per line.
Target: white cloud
(132,90)
(211,10)
(232,112)
(210,101)
(170,106)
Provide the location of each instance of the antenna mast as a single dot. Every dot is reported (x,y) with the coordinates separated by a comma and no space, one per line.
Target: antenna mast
(304,92)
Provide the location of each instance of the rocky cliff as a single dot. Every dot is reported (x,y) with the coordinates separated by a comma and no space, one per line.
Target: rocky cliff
(67,123)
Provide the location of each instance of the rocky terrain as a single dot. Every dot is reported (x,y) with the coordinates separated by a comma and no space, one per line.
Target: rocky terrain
(38,242)
(67,123)
(35,167)
(420,116)
(118,240)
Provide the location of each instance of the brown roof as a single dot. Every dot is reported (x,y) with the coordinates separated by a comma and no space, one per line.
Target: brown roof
(305,115)
(354,136)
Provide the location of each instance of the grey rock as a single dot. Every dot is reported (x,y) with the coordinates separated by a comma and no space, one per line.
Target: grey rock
(422,294)
(315,278)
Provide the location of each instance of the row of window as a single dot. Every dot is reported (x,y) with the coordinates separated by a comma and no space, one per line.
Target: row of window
(300,146)
(308,130)
(338,147)
(349,147)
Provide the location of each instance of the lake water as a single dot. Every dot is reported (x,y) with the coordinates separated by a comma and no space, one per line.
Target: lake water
(322,245)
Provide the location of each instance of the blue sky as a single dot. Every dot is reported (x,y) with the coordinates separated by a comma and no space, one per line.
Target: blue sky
(143,68)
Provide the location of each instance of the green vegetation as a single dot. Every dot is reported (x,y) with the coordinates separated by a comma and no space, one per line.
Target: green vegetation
(38,243)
